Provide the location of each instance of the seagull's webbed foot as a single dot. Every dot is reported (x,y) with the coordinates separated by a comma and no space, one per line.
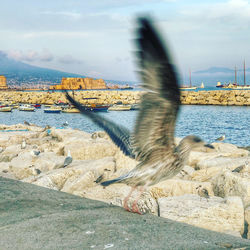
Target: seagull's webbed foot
(135,207)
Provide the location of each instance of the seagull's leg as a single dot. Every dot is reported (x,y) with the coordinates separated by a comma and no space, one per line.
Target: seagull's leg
(135,207)
(125,203)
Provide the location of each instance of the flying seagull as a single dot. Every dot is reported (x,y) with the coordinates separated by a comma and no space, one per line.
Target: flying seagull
(67,160)
(152,143)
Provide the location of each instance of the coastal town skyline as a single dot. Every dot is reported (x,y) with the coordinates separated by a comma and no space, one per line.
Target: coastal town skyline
(96,38)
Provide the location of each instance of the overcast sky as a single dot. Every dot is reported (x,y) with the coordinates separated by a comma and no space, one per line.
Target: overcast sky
(95,37)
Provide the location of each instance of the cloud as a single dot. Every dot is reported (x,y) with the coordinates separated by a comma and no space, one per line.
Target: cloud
(67,14)
(94,74)
(234,13)
(31,56)
(68,59)
(56,34)
(46,56)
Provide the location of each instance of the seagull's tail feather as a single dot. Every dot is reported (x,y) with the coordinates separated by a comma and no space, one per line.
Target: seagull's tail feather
(119,179)
(107,183)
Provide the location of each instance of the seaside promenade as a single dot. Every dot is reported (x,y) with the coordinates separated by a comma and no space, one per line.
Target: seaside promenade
(216,97)
(34,217)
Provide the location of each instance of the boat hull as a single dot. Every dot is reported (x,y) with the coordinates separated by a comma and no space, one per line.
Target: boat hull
(55,111)
(5,109)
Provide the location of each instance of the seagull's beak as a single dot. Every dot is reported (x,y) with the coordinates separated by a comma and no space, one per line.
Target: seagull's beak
(209,146)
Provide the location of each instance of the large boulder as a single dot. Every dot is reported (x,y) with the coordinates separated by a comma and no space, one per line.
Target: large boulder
(26,164)
(90,149)
(175,187)
(229,183)
(217,214)
(93,172)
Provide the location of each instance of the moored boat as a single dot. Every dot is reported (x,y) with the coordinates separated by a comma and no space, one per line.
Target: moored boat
(26,107)
(5,109)
(53,109)
(70,110)
(37,106)
(119,107)
(188,88)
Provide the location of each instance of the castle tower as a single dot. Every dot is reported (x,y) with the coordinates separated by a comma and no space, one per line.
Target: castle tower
(3,84)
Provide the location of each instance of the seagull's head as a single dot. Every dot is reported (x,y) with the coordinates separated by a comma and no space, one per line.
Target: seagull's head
(191,142)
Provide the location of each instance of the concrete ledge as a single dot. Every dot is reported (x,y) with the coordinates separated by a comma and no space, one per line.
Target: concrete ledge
(33,217)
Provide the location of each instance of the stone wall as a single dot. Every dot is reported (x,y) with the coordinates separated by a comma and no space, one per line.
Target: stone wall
(217,97)
(80,83)
(220,97)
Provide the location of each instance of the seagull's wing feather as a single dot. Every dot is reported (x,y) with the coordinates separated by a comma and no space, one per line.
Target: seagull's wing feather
(118,134)
(155,123)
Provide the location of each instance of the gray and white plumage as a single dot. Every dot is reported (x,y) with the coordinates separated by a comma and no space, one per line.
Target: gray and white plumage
(221,138)
(35,152)
(27,123)
(202,192)
(67,160)
(152,143)
(65,124)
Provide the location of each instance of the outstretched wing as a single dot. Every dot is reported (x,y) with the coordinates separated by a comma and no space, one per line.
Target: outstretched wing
(118,134)
(155,123)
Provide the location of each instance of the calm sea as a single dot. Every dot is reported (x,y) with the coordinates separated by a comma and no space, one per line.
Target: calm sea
(208,122)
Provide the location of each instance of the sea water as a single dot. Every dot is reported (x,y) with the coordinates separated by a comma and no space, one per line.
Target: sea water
(208,122)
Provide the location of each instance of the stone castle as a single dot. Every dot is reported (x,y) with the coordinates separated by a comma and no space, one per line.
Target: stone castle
(3,82)
(80,83)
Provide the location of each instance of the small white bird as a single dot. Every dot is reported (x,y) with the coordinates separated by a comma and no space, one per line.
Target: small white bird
(1,149)
(65,124)
(202,192)
(35,152)
(23,145)
(221,138)
(67,160)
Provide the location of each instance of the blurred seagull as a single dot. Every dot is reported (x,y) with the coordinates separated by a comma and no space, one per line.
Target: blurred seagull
(67,160)
(240,168)
(35,152)
(202,192)
(23,145)
(26,123)
(152,143)
(222,138)
(65,124)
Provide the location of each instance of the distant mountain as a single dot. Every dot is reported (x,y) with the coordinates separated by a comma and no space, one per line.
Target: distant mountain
(212,75)
(214,70)
(18,72)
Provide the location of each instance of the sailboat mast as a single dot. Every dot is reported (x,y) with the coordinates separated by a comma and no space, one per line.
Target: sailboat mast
(190,82)
(235,80)
(244,73)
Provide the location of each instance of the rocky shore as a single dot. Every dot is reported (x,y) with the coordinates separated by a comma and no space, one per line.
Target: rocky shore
(211,192)
(218,97)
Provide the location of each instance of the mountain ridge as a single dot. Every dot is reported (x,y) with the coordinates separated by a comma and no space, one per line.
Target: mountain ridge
(18,72)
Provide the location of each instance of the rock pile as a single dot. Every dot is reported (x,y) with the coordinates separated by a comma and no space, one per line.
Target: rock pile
(212,191)
(220,97)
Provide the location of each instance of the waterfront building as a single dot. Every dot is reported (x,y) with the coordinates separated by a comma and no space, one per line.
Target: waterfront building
(79,83)
(3,82)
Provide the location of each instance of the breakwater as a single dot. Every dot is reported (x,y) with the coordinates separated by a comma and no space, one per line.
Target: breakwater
(217,97)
